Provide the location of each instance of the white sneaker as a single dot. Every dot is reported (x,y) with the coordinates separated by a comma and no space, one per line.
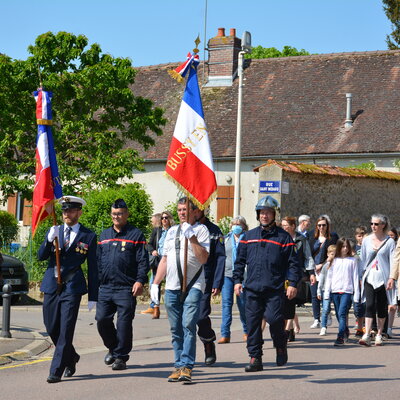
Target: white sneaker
(316,324)
(323,332)
(365,340)
(329,323)
(378,340)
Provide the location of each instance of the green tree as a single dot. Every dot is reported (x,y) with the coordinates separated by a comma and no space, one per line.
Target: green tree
(392,11)
(8,228)
(96,213)
(98,123)
(367,165)
(269,52)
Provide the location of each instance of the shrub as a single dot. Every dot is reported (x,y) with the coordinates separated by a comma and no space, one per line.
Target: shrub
(8,228)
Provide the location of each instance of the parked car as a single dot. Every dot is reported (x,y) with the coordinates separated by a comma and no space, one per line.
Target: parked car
(14,273)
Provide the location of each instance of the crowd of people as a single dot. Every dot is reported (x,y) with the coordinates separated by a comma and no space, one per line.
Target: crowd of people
(271,270)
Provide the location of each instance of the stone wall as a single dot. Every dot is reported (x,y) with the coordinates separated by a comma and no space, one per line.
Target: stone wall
(349,201)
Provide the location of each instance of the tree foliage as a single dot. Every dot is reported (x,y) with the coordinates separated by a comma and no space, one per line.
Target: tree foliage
(8,228)
(370,166)
(392,11)
(96,213)
(269,52)
(96,117)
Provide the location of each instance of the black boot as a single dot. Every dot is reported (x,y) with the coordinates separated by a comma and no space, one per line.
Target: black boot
(211,356)
(281,357)
(254,365)
(291,336)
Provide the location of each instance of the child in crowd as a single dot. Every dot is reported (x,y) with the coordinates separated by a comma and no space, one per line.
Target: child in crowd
(342,282)
(359,234)
(326,319)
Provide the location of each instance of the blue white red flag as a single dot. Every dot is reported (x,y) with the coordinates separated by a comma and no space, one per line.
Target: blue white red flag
(47,183)
(189,164)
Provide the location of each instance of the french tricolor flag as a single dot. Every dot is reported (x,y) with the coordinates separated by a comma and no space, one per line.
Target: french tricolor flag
(189,164)
(47,183)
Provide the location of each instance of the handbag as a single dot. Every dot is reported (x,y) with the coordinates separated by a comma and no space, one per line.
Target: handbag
(302,292)
(154,261)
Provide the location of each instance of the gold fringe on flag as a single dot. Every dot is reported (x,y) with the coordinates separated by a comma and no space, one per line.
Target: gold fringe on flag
(188,194)
(175,75)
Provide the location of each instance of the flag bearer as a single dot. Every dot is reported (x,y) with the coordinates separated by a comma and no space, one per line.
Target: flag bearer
(60,308)
(183,307)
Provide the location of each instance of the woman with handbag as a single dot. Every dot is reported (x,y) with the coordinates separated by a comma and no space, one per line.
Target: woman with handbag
(376,256)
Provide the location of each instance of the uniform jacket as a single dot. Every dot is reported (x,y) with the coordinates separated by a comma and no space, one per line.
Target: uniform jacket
(270,257)
(81,249)
(122,257)
(214,268)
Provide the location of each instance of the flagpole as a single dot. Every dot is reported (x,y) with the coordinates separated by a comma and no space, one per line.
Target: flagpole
(186,249)
(58,263)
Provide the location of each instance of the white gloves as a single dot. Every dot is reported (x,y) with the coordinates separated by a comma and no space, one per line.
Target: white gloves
(91,305)
(154,294)
(53,233)
(187,230)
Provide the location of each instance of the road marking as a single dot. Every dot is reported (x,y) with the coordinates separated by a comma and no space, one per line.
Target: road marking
(27,363)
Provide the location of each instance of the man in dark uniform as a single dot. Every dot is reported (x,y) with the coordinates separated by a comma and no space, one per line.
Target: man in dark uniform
(214,270)
(270,255)
(123,265)
(60,308)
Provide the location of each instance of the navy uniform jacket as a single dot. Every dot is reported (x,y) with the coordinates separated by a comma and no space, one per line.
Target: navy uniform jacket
(270,257)
(122,257)
(214,268)
(81,249)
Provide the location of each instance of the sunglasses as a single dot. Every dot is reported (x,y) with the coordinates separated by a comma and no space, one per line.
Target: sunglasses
(116,215)
(164,217)
(375,223)
(319,225)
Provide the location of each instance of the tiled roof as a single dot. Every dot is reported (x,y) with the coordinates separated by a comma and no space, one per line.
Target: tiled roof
(292,105)
(330,170)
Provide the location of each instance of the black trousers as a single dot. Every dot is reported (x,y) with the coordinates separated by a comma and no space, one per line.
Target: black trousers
(269,305)
(60,312)
(118,339)
(376,301)
(205,330)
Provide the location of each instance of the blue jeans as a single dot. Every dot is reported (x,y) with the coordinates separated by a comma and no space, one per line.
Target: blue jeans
(315,302)
(342,303)
(227,304)
(182,320)
(326,309)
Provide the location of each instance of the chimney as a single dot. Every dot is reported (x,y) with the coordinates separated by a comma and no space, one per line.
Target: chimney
(223,52)
(348,123)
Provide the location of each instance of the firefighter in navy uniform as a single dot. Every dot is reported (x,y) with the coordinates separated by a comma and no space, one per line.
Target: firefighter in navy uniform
(270,255)
(123,264)
(214,271)
(60,307)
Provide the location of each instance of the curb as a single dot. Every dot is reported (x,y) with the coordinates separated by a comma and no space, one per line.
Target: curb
(39,344)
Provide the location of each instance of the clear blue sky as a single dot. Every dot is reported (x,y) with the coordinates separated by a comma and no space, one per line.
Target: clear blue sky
(161,31)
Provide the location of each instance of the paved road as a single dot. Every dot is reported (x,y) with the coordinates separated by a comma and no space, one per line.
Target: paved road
(316,369)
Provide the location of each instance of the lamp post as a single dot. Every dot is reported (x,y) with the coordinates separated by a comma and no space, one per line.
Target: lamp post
(246,47)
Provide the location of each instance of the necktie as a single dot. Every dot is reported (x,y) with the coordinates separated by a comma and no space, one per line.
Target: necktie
(67,237)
